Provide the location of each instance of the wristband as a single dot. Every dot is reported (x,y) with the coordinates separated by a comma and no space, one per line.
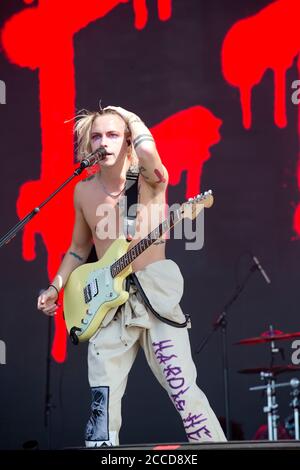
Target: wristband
(51,285)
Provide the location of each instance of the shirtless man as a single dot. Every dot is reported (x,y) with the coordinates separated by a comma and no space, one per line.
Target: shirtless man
(113,348)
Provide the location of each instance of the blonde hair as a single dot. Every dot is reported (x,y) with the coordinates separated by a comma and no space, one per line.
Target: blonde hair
(82,129)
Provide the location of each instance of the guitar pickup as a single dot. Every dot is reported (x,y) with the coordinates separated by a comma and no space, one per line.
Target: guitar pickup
(95,288)
(87,292)
(90,291)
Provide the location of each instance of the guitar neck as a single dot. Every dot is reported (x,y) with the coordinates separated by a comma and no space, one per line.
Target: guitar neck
(122,263)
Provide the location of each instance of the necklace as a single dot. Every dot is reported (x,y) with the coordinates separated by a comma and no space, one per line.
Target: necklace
(115,196)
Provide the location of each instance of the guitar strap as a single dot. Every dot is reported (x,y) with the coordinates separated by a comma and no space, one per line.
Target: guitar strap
(129,203)
(130,213)
(132,279)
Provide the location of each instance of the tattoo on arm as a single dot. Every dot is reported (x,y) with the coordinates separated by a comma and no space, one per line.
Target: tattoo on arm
(142,171)
(160,176)
(142,138)
(75,255)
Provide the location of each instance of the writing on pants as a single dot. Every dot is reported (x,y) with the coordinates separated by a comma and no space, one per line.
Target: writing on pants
(195,425)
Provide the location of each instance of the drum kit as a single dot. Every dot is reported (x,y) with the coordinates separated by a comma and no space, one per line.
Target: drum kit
(269,376)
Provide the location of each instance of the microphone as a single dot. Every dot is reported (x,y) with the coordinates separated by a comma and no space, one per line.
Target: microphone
(260,268)
(93,157)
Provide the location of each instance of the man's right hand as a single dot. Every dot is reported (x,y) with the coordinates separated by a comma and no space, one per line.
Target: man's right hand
(47,301)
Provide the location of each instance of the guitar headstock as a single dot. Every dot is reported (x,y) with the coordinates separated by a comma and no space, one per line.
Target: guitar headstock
(194,205)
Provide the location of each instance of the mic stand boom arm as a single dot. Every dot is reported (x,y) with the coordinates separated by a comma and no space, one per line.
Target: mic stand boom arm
(84,164)
(221,322)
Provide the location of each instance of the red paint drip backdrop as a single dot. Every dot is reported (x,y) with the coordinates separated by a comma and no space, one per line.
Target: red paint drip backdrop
(28,42)
(267,40)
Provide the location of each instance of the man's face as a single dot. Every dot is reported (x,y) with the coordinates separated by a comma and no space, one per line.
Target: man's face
(108,131)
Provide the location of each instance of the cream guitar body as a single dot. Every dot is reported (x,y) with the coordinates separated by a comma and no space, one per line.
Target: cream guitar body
(91,292)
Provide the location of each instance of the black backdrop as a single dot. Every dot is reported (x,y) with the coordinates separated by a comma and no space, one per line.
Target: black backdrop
(158,71)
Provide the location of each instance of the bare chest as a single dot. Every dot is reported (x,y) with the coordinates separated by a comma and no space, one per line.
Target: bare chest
(106,217)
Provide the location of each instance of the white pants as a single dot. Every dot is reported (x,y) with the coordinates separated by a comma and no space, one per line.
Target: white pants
(113,349)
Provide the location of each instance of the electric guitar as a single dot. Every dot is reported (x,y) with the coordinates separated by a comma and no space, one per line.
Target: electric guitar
(94,288)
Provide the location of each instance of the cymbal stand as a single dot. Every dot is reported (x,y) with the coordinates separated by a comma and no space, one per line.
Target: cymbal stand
(272,406)
(294,383)
(274,348)
(295,404)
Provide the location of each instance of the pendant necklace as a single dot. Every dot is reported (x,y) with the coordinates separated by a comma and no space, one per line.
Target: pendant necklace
(114,196)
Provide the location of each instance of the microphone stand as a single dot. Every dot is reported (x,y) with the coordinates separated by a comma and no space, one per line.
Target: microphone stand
(48,395)
(91,159)
(221,322)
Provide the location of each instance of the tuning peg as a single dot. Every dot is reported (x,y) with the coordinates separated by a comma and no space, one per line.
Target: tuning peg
(190,199)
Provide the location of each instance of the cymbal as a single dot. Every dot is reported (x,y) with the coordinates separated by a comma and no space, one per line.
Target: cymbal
(268,336)
(274,369)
